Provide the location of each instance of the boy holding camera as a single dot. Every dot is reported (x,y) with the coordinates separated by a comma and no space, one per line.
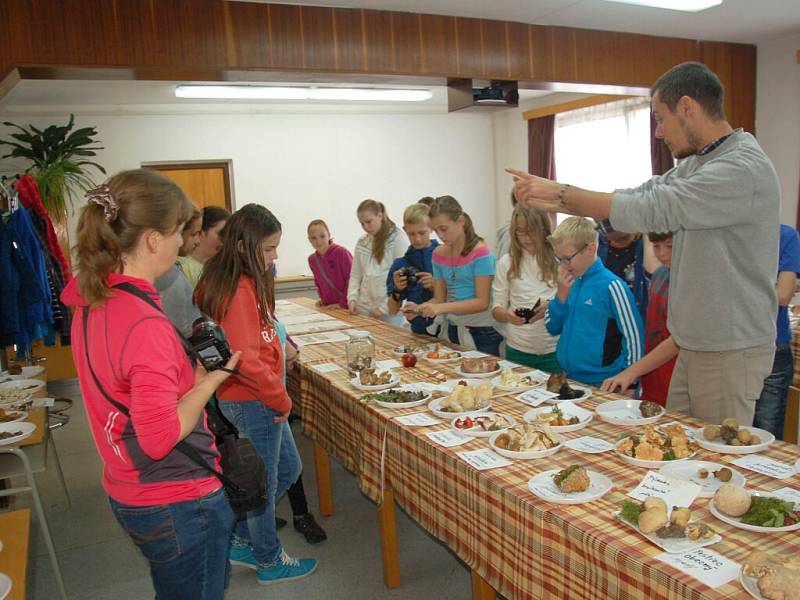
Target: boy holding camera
(410,276)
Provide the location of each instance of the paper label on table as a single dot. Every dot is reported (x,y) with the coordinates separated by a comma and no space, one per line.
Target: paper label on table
(787,493)
(350,332)
(589,445)
(309,318)
(326,367)
(708,567)
(473,354)
(43,402)
(483,459)
(447,438)
(507,364)
(568,408)
(385,365)
(420,419)
(675,492)
(688,430)
(320,338)
(536,396)
(765,466)
(315,327)
(431,387)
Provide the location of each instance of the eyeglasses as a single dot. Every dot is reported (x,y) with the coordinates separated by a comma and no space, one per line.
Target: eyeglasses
(565,260)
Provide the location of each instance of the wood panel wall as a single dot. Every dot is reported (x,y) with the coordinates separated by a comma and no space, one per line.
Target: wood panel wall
(179,39)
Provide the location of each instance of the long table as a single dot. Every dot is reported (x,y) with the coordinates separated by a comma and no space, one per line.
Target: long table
(515,543)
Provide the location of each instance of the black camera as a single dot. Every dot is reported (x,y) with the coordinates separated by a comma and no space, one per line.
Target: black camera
(209,344)
(411,276)
(527,313)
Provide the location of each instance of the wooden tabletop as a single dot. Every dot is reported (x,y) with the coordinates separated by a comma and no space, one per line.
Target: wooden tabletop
(15,534)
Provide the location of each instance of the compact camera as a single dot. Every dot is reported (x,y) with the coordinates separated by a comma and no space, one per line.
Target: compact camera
(209,344)
(527,313)
(411,275)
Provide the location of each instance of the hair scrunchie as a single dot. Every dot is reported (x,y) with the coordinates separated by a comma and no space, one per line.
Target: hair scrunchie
(102,195)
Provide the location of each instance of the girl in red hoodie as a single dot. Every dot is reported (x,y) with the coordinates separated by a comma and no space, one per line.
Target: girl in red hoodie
(178,516)
(237,290)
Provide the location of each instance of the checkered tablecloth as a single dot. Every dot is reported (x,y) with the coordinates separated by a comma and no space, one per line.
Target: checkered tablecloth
(524,547)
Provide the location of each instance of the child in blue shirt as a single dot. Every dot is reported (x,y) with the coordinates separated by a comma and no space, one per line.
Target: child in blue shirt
(593,310)
(416,224)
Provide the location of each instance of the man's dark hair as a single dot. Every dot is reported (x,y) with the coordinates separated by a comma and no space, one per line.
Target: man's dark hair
(695,80)
(659,237)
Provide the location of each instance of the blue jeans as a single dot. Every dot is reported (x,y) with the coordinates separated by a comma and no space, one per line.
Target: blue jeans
(771,406)
(487,339)
(186,544)
(276,447)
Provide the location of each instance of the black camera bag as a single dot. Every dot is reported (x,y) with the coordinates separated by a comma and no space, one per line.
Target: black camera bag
(243,475)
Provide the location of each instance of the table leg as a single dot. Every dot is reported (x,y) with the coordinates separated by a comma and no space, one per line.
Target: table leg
(322,466)
(386,517)
(480,589)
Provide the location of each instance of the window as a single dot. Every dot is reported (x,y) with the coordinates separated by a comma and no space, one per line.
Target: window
(604,147)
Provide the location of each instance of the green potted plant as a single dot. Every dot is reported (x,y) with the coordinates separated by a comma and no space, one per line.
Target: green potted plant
(59,161)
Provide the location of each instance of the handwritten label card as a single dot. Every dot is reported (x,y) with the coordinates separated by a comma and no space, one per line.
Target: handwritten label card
(447,438)
(43,402)
(385,365)
(483,459)
(473,354)
(688,430)
(571,410)
(326,367)
(589,445)
(507,364)
(420,419)
(787,493)
(674,492)
(765,466)
(708,567)
(536,396)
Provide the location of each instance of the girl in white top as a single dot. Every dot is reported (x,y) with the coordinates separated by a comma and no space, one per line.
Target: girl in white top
(525,275)
(373,256)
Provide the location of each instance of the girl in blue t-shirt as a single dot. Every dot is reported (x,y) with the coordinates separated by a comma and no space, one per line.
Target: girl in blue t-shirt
(463,270)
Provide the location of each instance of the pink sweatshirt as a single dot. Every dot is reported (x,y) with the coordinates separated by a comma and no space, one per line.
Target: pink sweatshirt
(141,364)
(336,263)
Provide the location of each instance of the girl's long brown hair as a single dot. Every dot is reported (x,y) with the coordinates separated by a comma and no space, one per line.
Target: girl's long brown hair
(240,255)
(387,227)
(146,200)
(449,207)
(539,227)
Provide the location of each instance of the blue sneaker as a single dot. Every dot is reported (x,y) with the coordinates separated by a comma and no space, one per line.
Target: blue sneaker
(242,556)
(286,568)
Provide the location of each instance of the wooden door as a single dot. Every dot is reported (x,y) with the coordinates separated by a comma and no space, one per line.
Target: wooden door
(205,183)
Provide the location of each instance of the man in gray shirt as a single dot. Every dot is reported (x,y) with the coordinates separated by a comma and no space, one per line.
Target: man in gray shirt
(722,202)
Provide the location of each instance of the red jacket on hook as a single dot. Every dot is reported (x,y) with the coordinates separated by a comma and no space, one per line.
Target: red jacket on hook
(31,199)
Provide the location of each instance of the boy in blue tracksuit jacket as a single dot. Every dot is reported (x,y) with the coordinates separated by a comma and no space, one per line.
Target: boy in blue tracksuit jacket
(419,255)
(593,312)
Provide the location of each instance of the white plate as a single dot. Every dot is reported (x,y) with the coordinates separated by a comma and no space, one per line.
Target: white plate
(485,375)
(518,388)
(5,585)
(750,585)
(444,361)
(673,545)
(422,351)
(480,433)
(25,429)
(434,407)
(31,386)
(543,486)
(650,464)
(587,393)
(527,455)
(406,388)
(724,448)
(18,415)
(738,522)
(27,373)
(625,412)
(375,388)
(531,415)
(687,471)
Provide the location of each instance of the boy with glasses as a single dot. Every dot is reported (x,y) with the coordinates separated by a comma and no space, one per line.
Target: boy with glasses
(593,310)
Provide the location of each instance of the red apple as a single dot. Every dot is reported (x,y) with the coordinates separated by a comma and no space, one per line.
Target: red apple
(409,360)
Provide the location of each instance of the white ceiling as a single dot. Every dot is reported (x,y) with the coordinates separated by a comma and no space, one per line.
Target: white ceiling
(748,21)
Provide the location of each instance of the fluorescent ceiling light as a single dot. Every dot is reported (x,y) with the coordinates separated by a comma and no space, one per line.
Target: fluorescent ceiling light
(684,5)
(263,92)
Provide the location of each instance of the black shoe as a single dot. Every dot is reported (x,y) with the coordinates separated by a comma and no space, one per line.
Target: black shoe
(280,523)
(309,527)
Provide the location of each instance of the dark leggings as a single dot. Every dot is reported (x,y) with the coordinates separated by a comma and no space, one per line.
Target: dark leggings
(297,497)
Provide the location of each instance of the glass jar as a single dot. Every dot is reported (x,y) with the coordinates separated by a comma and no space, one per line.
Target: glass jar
(360,350)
